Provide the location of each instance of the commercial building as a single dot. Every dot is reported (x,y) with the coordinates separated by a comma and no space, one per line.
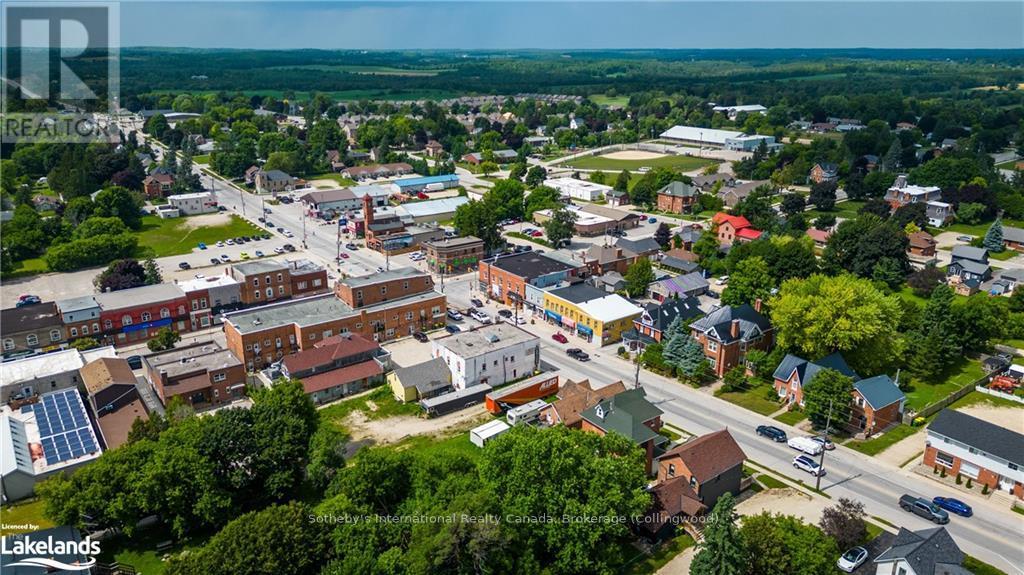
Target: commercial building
(578,189)
(329,203)
(729,332)
(208,296)
(203,374)
(594,220)
(263,281)
(425,184)
(375,171)
(505,277)
(677,197)
(114,398)
(382,287)
(23,380)
(500,157)
(430,211)
(453,255)
(137,314)
(988,454)
(193,204)
(702,137)
(32,328)
(734,111)
(590,313)
(338,366)
(492,355)
(750,143)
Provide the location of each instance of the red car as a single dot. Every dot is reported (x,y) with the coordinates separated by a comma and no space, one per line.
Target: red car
(422,196)
(537,234)
(560,338)
(343,256)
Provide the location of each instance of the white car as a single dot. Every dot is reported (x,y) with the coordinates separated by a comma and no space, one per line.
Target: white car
(805,463)
(480,316)
(805,444)
(278,250)
(455,315)
(516,320)
(288,234)
(849,562)
(722,281)
(224,258)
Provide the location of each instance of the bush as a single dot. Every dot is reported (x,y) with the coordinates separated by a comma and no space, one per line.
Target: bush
(935,470)
(621,350)
(88,252)
(942,473)
(969,484)
(959,479)
(984,488)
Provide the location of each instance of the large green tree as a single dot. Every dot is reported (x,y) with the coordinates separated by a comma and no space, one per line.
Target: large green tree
(829,390)
(750,281)
(638,277)
(993,241)
(561,227)
(785,544)
(858,246)
(724,549)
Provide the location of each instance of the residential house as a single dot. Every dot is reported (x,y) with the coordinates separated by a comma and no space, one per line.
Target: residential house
(938,213)
(202,374)
(669,500)
(337,367)
(493,354)
(424,380)
(573,398)
(877,404)
(630,414)
(733,229)
(1013,238)
(926,552)
(985,452)
(729,332)
(111,386)
(272,182)
(433,149)
(639,248)
(504,277)
(590,313)
(651,326)
(500,157)
(32,328)
(708,183)
(610,282)
(969,265)
(453,255)
(711,465)
(683,286)
(604,258)
(735,191)
(157,185)
(820,237)
(681,265)
(616,198)
(921,244)
(824,172)
(794,374)
(688,234)
(677,197)
(901,193)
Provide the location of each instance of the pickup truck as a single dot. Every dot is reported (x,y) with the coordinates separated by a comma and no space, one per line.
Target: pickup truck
(924,508)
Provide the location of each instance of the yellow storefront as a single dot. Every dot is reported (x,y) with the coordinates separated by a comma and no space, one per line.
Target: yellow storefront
(602,319)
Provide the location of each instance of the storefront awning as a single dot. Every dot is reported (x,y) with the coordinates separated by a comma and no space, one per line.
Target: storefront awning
(584,330)
(552,315)
(568,322)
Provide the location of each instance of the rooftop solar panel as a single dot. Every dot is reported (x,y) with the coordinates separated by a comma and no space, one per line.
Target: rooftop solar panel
(64,428)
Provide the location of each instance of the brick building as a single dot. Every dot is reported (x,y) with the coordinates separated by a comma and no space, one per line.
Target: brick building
(453,255)
(677,197)
(711,464)
(32,328)
(264,281)
(974,448)
(629,414)
(733,229)
(504,278)
(383,287)
(729,332)
(157,185)
(337,367)
(203,374)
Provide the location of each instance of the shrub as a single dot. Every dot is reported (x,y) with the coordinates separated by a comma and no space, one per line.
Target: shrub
(935,470)
(969,484)
(984,488)
(943,472)
(959,479)
(771,395)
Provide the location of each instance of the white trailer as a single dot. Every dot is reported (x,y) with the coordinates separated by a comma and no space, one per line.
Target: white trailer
(526,413)
(479,436)
(805,444)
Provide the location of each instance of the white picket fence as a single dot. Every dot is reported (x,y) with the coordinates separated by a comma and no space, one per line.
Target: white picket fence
(1001,394)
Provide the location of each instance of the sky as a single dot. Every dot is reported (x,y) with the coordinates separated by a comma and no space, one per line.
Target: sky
(594,24)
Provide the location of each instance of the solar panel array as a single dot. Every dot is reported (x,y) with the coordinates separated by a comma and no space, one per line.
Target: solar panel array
(64,428)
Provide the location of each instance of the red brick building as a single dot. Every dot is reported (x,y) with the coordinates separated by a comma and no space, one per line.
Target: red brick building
(135,315)
(984,452)
(382,287)
(729,332)
(677,197)
(157,185)
(732,229)
(263,281)
(504,278)
(203,375)
(921,244)
(877,404)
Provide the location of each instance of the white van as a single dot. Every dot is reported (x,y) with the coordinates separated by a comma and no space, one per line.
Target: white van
(805,444)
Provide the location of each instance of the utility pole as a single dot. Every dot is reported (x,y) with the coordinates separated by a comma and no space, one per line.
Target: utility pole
(636,376)
(821,460)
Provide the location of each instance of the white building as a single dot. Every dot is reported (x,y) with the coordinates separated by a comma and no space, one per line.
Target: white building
(494,354)
(191,204)
(39,374)
(734,111)
(578,189)
(703,137)
(751,143)
(480,436)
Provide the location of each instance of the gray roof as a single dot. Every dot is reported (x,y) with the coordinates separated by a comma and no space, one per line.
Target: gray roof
(638,246)
(141,295)
(625,413)
(255,267)
(929,552)
(426,377)
(680,264)
(663,314)
(206,356)
(1014,275)
(717,323)
(972,266)
(390,275)
(273,175)
(679,189)
(879,391)
(530,265)
(980,434)
(486,339)
(1013,234)
(79,303)
(304,312)
(686,283)
(578,293)
(808,369)
(970,253)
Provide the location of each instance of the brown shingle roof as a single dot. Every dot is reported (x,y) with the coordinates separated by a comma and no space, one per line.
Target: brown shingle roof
(574,398)
(115,425)
(336,377)
(708,456)
(104,372)
(669,499)
(327,351)
(921,240)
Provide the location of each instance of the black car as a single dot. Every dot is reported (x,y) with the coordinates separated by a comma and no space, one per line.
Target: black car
(477,303)
(420,336)
(135,361)
(270,224)
(771,432)
(265,236)
(288,248)
(184,266)
(215,261)
(504,313)
(451,329)
(261,219)
(577,353)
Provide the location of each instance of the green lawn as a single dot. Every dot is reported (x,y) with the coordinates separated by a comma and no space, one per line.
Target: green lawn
(24,514)
(681,163)
(752,398)
(382,398)
(159,237)
(792,417)
(27,267)
(1010,165)
(341,181)
(201,159)
(921,394)
(661,556)
(140,550)
(880,444)
(847,210)
(979,567)
(522,236)
(977,229)
(602,100)
(771,482)
(1003,255)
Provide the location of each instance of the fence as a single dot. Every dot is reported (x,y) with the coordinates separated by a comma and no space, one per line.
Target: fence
(995,393)
(935,406)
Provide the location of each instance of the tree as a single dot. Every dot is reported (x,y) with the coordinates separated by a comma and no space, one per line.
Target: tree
(475,218)
(911,213)
(153,275)
(487,168)
(119,275)
(825,222)
(692,365)
(750,280)
(926,279)
(735,378)
(326,456)
(540,198)
(785,544)
(622,181)
(876,206)
(993,241)
(561,227)
(823,196)
(165,338)
(517,171)
(84,343)
(793,204)
(858,245)
(970,213)
(638,277)
(829,390)
(891,159)
(535,176)
(821,314)
(96,225)
(844,522)
(119,203)
(663,235)
(97,250)
(724,549)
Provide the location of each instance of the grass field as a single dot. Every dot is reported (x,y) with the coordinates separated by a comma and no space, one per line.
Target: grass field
(140,551)
(602,100)
(846,210)
(885,441)
(771,482)
(752,398)
(382,398)
(792,417)
(159,237)
(681,163)
(1003,255)
(922,394)
(201,159)
(661,556)
(24,514)
(976,229)
(27,267)
(341,180)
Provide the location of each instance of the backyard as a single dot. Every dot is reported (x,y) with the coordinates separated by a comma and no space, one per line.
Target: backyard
(24,517)
(921,394)
(846,210)
(681,163)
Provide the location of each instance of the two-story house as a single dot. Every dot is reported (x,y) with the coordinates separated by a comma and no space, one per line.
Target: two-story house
(795,373)
(926,552)
(729,332)
(712,465)
(337,367)
(969,265)
(630,414)
(677,197)
(985,452)
(656,318)
(824,172)
(734,229)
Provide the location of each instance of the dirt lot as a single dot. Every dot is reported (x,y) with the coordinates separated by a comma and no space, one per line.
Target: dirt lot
(1007,417)
(632,155)
(207,220)
(395,429)
(324,184)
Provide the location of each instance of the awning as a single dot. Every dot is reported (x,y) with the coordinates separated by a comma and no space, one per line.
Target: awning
(584,330)
(569,323)
(550,314)
(236,386)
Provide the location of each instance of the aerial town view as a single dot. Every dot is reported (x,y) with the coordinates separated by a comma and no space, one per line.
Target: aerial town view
(591,287)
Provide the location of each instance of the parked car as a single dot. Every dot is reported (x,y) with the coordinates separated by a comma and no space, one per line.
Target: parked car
(134,361)
(265,236)
(518,320)
(215,261)
(270,224)
(220,244)
(230,241)
(824,442)
(712,294)
(199,276)
(259,254)
(965,238)
(420,336)
(923,508)
(771,432)
(476,302)
(806,463)
(560,338)
(805,444)
(480,316)
(351,246)
(953,505)
(578,354)
(452,328)
(28,300)
(343,256)
(848,562)
(202,246)
(261,219)
(244,255)
(224,258)
(288,248)
(278,250)
(454,315)
(380,270)
(721,281)
(184,266)
(504,313)
(537,234)
(652,220)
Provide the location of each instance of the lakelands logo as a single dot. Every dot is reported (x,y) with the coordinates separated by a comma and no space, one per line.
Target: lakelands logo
(40,552)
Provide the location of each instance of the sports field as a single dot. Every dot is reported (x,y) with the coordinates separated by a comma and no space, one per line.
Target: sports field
(635,159)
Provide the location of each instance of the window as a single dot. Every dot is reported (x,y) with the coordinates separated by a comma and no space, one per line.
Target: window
(195,305)
(256,294)
(359,294)
(146,316)
(944,459)
(277,342)
(126,320)
(405,285)
(166,313)
(266,343)
(312,336)
(202,302)
(107,324)
(671,470)
(408,316)
(280,290)
(383,290)
(95,328)
(74,333)
(267,280)
(54,335)
(181,310)
(248,347)
(8,344)
(317,282)
(359,325)
(219,377)
(204,321)
(328,333)
(712,345)
(255,282)
(270,292)
(301,285)
(280,278)
(693,482)
(291,338)
(390,332)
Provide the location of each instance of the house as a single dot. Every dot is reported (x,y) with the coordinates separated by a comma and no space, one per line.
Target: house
(735,191)
(376,171)
(1012,277)
(926,552)
(453,255)
(630,414)
(493,355)
(824,172)
(877,404)
(969,265)
(820,237)
(669,500)
(729,332)
(1013,238)
(421,381)
(329,203)
(708,182)
(604,258)
(610,282)
(595,220)
(616,198)
(500,157)
(677,197)
(202,374)
(578,189)
(32,328)
(157,185)
(573,398)
(731,229)
(683,286)
(985,452)
(272,182)
(938,213)
(921,244)
(711,465)
(901,193)
(337,367)
(433,149)
(193,204)
(688,234)
(250,175)
(794,374)
(651,325)
(590,313)
(114,398)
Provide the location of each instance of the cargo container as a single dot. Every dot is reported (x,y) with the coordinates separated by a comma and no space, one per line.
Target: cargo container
(536,387)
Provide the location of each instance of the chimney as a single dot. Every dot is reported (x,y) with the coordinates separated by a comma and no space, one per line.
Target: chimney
(757,305)
(367,210)
(734,328)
